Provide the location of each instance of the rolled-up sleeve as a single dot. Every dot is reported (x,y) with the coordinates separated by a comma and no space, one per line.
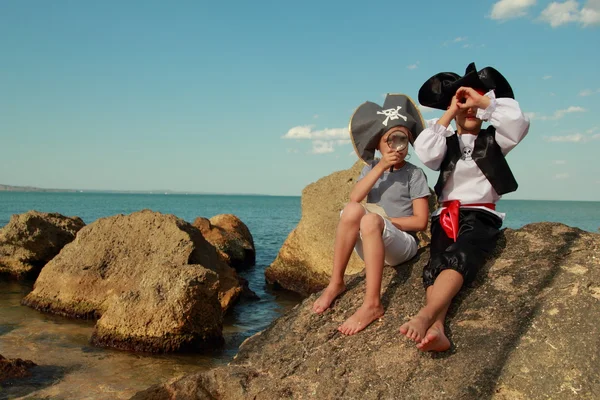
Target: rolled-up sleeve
(506,116)
(430,145)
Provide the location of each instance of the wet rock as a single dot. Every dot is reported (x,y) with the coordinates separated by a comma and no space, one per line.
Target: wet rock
(32,239)
(528,328)
(231,237)
(14,368)
(152,279)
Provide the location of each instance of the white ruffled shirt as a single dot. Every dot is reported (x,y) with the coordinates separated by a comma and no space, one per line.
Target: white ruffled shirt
(468,184)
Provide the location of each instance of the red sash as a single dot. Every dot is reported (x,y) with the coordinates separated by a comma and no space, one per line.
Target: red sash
(449,216)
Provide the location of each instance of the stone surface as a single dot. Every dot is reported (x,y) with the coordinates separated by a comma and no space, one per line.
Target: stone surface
(528,328)
(231,237)
(32,239)
(152,279)
(14,368)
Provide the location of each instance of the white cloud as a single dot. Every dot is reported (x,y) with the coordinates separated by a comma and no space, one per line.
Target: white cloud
(546,77)
(588,92)
(596,136)
(425,109)
(590,13)
(315,116)
(307,132)
(352,153)
(413,66)
(557,14)
(508,9)
(561,176)
(559,162)
(292,150)
(558,114)
(573,138)
(323,140)
(322,147)
(460,39)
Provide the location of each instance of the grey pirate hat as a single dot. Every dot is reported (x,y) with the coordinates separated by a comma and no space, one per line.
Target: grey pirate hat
(370,121)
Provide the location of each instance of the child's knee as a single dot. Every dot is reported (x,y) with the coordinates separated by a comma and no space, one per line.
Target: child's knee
(371,224)
(352,212)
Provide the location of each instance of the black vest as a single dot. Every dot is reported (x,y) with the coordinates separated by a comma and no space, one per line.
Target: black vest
(488,156)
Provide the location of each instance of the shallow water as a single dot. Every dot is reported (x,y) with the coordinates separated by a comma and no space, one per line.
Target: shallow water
(68,366)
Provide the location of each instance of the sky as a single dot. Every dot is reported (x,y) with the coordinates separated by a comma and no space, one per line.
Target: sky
(255,97)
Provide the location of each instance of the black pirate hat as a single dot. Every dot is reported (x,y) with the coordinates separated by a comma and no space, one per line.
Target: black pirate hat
(437,92)
(370,121)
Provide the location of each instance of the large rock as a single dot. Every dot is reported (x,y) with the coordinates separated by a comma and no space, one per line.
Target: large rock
(528,329)
(154,280)
(305,260)
(231,237)
(14,368)
(32,239)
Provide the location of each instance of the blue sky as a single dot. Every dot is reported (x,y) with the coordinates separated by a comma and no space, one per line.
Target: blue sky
(204,96)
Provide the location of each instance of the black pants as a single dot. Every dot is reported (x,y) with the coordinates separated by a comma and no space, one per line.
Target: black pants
(477,236)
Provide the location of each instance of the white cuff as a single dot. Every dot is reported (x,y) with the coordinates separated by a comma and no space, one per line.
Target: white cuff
(441,130)
(486,114)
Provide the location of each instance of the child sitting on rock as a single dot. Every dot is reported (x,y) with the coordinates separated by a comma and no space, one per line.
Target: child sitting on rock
(384,229)
(473,176)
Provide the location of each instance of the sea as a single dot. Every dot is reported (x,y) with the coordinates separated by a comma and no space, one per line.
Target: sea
(70,368)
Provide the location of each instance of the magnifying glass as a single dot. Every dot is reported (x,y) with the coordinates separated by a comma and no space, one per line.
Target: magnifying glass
(397,141)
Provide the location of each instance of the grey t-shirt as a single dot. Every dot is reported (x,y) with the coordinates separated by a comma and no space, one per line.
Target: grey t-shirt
(395,191)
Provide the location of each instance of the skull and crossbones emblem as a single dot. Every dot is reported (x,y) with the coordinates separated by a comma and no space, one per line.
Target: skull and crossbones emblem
(467,154)
(392,113)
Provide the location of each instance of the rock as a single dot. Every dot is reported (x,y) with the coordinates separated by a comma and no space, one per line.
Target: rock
(305,260)
(231,237)
(153,280)
(528,329)
(14,368)
(32,239)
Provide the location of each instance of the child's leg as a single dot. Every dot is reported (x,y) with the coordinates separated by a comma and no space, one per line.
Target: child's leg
(446,272)
(435,338)
(371,228)
(345,239)
(446,286)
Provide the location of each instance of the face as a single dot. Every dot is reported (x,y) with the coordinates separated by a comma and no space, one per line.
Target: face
(467,121)
(400,131)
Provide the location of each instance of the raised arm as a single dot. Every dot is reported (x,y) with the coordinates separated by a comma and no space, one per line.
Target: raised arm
(370,174)
(506,116)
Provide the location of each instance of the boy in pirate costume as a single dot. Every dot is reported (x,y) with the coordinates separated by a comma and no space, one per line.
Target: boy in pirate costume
(384,229)
(473,176)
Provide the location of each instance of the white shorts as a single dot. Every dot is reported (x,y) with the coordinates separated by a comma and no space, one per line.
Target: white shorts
(399,245)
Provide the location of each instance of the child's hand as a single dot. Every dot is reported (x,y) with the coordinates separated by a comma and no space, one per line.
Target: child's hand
(390,158)
(453,107)
(467,97)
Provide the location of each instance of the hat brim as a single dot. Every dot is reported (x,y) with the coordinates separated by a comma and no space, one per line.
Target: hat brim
(437,91)
(366,131)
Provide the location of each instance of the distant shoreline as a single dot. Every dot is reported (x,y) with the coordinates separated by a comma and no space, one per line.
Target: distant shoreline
(31,189)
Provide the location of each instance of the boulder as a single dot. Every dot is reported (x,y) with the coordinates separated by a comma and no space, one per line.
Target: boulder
(305,260)
(152,279)
(32,239)
(231,237)
(14,368)
(528,328)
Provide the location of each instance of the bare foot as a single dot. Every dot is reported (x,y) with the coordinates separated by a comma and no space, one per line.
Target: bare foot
(415,328)
(435,339)
(329,294)
(361,319)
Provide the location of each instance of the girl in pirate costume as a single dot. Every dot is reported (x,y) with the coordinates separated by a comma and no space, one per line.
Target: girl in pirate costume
(384,229)
(473,176)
